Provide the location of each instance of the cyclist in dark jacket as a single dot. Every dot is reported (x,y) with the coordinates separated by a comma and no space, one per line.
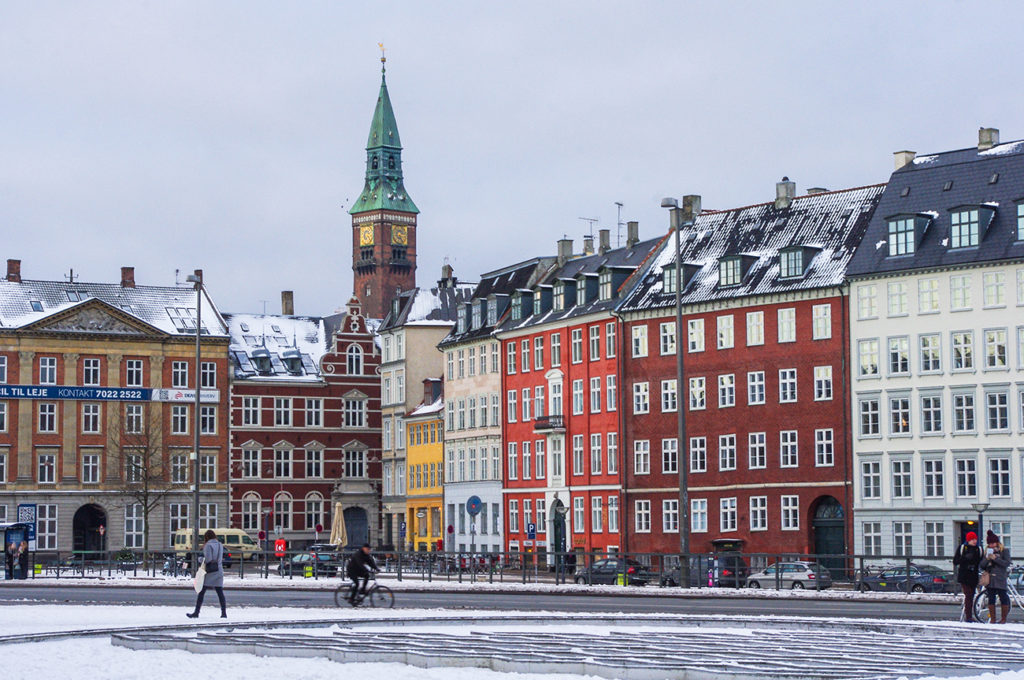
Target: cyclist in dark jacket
(966,560)
(359,566)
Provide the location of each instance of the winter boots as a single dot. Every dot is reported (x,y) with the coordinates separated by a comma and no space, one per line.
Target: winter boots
(1005,611)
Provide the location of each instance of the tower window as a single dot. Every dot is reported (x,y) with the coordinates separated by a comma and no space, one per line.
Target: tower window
(374,163)
(391,162)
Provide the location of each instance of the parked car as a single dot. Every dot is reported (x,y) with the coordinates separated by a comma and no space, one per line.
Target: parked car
(608,571)
(924,578)
(794,575)
(326,565)
(724,570)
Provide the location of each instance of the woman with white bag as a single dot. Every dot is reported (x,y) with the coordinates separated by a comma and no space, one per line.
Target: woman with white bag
(210,574)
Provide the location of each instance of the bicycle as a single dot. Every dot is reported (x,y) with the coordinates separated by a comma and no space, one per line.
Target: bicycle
(981,602)
(378,595)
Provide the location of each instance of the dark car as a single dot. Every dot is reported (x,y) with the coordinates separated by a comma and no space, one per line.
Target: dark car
(923,579)
(612,571)
(326,565)
(711,571)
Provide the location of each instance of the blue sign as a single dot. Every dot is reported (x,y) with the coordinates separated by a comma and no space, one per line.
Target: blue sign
(104,393)
(27,515)
(401,529)
(531,530)
(473,505)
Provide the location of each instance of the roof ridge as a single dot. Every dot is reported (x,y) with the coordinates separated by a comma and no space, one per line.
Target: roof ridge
(820,193)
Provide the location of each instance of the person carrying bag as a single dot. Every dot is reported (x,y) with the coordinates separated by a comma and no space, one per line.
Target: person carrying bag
(210,574)
(996,566)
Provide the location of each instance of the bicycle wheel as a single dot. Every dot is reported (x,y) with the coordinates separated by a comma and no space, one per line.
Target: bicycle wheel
(981,608)
(341,595)
(381,596)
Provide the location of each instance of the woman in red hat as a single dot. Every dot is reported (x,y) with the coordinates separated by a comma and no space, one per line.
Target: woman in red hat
(966,560)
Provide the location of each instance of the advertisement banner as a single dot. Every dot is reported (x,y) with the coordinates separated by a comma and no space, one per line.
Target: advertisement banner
(57,392)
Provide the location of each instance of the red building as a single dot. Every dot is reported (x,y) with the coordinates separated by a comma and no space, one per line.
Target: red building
(765,347)
(305,414)
(561,349)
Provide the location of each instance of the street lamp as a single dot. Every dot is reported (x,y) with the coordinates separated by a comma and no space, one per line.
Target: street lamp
(197,280)
(980,508)
(680,217)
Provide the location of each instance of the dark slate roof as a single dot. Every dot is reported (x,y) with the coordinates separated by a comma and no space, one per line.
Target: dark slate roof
(830,223)
(969,171)
(427,307)
(167,308)
(629,258)
(505,281)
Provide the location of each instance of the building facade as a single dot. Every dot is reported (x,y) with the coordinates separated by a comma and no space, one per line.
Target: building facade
(305,414)
(97,412)
(425,454)
(938,353)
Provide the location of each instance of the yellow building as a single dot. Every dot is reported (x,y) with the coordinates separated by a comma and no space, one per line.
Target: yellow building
(425,457)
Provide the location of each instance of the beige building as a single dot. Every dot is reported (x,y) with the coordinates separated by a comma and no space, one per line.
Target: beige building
(417,321)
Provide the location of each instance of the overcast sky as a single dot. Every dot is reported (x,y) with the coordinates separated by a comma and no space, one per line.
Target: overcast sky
(231,136)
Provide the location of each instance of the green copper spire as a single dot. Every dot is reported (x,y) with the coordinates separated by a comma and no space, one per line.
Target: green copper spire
(383,189)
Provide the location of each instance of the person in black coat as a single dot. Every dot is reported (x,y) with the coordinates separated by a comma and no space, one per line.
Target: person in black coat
(966,561)
(359,566)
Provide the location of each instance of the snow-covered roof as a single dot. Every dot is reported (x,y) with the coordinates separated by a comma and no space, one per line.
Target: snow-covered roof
(275,347)
(437,406)
(427,306)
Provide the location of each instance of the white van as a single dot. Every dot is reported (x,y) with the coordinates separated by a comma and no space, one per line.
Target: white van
(237,543)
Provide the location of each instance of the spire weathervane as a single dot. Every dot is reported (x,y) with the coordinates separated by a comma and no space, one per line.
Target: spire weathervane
(383,58)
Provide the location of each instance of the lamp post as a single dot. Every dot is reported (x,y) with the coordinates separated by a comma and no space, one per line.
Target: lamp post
(680,217)
(197,280)
(980,508)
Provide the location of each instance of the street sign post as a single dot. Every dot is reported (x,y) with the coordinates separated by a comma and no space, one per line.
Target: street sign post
(531,531)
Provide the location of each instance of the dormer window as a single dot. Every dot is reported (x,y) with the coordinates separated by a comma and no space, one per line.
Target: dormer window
(791,263)
(461,319)
(492,313)
(668,279)
(261,360)
(581,291)
(604,285)
(292,361)
(963,229)
(478,314)
(729,271)
(517,306)
(558,303)
(902,239)
(1020,221)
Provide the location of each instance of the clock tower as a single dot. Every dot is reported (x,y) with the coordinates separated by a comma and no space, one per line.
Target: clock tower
(383,217)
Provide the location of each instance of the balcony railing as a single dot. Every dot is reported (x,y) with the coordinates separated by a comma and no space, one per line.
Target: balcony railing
(548,423)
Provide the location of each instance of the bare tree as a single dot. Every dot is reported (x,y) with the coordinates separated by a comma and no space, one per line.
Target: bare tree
(145,471)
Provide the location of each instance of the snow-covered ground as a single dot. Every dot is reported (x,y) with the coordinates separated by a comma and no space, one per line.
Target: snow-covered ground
(95,658)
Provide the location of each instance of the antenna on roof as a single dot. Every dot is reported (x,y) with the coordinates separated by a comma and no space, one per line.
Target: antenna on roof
(618,224)
(70,276)
(590,224)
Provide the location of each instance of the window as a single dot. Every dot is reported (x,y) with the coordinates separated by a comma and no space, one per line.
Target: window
(871,479)
(869,417)
(178,515)
(208,469)
(755,328)
(134,528)
(355,467)
(639,341)
(90,469)
(282,511)
(901,236)
(962,343)
(934,539)
(578,515)
(596,454)
(790,513)
(788,448)
(964,228)
(787,325)
(179,419)
(208,375)
(595,395)
(934,478)
(901,479)
(698,454)
(314,511)
(510,358)
(997,409)
(899,355)
(208,420)
(822,322)
(91,372)
(595,342)
(872,538)
(757,454)
(179,374)
(726,336)
(282,412)
(1020,221)
(727,452)
(355,412)
(824,448)
(611,398)
(283,463)
(729,271)
(596,514)
(251,463)
(91,418)
(755,387)
(695,335)
(496,408)
(524,355)
(538,354)
(897,298)
(995,348)
(999,477)
(697,394)
(867,352)
(758,513)
(1002,529)
(528,400)
(787,385)
(670,516)
(669,456)
(960,292)
(314,463)
(931,414)
(3,369)
(727,516)
(931,353)
(669,400)
(699,515)
(667,338)
(179,469)
(791,263)
(966,478)
(928,296)
(867,301)
(641,397)
(47,370)
(726,391)
(613,453)
(822,383)
(609,342)
(513,401)
(902,534)
(963,412)
(643,516)
(46,469)
(642,457)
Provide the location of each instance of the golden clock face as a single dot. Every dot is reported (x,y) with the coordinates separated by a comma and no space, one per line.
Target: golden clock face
(400,234)
(366,235)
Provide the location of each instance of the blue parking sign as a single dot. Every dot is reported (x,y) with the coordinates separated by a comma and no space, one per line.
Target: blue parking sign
(531,530)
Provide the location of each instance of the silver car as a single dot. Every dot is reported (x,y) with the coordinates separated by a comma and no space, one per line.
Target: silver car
(795,575)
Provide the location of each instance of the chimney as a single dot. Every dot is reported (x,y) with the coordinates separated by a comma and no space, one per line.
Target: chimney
(632,234)
(605,239)
(14,271)
(447,279)
(588,245)
(287,302)
(199,274)
(903,158)
(816,190)
(564,250)
(127,277)
(987,138)
(784,193)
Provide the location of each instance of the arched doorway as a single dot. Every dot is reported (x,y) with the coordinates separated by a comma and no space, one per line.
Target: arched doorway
(86,534)
(829,526)
(357,526)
